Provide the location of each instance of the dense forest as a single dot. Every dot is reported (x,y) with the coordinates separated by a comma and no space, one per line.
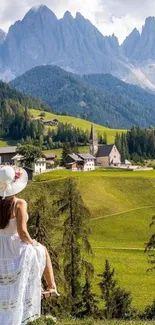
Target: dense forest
(7,93)
(110,102)
(17,123)
(137,144)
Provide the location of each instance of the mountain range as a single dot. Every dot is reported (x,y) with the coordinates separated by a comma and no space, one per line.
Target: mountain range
(100,98)
(76,45)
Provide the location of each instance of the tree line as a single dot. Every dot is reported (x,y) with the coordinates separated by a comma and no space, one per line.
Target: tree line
(137,144)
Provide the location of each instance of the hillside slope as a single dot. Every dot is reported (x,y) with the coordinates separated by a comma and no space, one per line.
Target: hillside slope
(7,93)
(67,92)
(81,124)
(120,222)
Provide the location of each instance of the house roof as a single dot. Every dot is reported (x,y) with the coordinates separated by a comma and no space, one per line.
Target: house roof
(11,149)
(75,157)
(50,156)
(86,156)
(104,151)
(17,157)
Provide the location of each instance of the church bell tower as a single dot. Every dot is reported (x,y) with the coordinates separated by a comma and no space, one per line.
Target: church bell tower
(93,141)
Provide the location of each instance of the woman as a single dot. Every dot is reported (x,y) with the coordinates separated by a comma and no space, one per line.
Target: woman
(23,260)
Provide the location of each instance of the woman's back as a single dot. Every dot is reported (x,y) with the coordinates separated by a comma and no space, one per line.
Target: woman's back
(11,228)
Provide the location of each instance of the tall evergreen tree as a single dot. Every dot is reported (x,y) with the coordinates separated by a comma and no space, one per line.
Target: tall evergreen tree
(117,300)
(89,307)
(66,150)
(118,141)
(75,243)
(107,286)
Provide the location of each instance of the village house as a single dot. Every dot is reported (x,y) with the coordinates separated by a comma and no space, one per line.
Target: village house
(80,162)
(38,167)
(50,158)
(50,122)
(6,154)
(106,155)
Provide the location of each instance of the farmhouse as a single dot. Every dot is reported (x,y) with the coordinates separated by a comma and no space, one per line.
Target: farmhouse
(50,158)
(51,122)
(83,162)
(6,154)
(106,155)
(38,166)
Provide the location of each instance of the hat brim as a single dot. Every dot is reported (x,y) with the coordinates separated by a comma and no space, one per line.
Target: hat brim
(18,185)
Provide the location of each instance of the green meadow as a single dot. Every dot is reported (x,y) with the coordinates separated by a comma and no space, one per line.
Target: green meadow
(122,204)
(80,123)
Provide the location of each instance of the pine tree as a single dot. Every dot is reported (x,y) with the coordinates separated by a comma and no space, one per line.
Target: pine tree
(118,142)
(117,300)
(107,286)
(89,299)
(105,138)
(75,243)
(41,219)
(65,152)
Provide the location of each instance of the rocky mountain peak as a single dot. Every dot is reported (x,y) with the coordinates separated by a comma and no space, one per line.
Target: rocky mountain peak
(40,11)
(149,22)
(130,42)
(68,15)
(2,36)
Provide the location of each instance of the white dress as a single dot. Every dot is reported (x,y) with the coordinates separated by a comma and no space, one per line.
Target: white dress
(21,269)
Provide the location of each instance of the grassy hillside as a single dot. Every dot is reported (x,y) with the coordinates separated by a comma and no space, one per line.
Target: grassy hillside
(122,205)
(80,123)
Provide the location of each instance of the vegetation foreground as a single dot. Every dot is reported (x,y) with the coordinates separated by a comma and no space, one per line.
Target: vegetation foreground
(48,321)
(122,205)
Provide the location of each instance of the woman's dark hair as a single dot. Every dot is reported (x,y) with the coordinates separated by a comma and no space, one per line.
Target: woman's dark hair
(6,211)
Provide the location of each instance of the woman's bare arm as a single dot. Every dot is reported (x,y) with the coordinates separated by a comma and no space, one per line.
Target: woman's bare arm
(21,215)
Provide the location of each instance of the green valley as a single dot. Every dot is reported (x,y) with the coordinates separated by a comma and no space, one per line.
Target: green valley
(122,205)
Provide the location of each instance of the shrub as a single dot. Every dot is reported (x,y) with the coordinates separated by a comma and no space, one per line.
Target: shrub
(47,320)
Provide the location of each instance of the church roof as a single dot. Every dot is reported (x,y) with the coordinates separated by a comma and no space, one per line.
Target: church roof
(104,151)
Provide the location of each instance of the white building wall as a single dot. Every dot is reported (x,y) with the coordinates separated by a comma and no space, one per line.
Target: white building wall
(89,165)
(39,166)
(115,156)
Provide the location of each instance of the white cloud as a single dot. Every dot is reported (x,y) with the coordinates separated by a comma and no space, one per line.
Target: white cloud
(110,16)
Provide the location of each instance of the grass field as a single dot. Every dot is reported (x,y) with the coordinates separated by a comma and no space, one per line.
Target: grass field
(43,321)
(122,204)
(80,123)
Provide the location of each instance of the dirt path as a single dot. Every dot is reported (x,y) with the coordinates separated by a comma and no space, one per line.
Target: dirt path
(119,213)
(120,248)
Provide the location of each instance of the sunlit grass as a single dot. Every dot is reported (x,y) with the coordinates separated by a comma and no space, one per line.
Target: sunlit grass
(80,123)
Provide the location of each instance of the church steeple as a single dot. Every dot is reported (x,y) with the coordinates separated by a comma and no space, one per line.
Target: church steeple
(93,141)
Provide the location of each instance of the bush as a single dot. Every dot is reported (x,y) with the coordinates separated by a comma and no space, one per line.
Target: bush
(47,320)
(149,312)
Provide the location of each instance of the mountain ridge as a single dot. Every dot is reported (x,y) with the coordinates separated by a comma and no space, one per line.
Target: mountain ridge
(76,45)
(99,99)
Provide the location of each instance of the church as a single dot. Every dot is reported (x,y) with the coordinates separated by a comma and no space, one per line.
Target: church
(106,155)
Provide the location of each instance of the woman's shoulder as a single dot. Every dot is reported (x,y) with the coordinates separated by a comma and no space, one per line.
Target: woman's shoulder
(20,203)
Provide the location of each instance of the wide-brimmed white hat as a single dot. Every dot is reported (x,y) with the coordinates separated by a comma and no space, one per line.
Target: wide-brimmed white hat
(12,180)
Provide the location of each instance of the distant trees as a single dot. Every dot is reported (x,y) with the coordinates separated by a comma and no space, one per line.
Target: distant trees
(30,153)
(122,145)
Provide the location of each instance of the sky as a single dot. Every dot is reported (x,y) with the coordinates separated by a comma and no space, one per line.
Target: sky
(109,16)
